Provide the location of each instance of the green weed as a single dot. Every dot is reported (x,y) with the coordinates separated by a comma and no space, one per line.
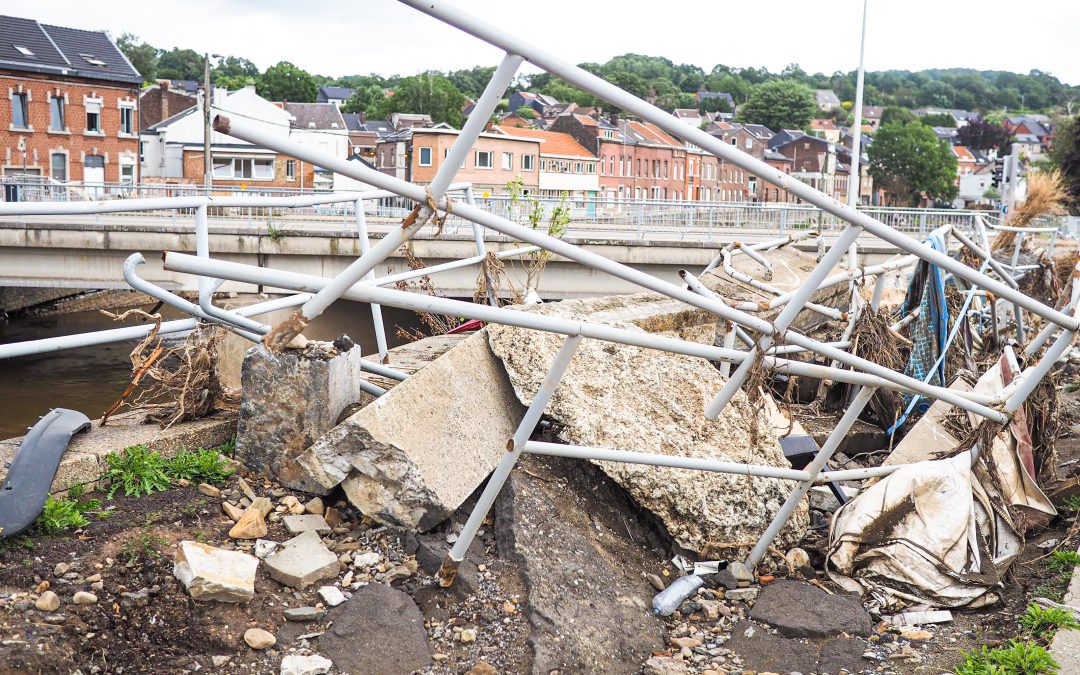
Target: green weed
(1063,562)
(141,548)
(64,513)
(1019,658)
(1071,503)
(274,234)
(201,466)
(1041,622)
(139,470)
(1055,593)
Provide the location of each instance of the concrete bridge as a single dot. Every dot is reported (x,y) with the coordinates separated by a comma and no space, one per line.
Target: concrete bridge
(81,252)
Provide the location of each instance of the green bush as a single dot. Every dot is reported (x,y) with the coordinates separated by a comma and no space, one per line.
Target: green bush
(201,466)
(65,513)
(1063,562)
(1019,658)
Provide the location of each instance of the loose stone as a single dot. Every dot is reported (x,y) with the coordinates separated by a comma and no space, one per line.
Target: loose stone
(48,602)
(257,638)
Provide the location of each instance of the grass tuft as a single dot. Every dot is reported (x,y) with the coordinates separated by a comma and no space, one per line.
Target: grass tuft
(139,470)
(1042,622)
(201,466)
(1018,658)
(142,548)
(1063,562)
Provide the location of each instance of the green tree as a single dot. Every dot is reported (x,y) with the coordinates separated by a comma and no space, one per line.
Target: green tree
(180,64)
(779,104)
(525,112)
(142,55)
(234,66)
(429,93)
(286,82)
(1066,156)
(909,161)
(938,120)
(364,99)
(983,135)
(896,115)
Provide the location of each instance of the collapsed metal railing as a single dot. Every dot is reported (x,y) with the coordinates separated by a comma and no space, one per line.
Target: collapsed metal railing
(774,338)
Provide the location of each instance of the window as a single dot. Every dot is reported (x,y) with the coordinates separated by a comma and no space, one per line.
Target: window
(578,167)
(93,117)
(508,161)
(25,51)
(59,166)
(290,169)
(591,167)
(18,111)
(749,144)
(484,159)
(93,60)
(527,162)
(244,168)
(734,141)
(127,120)
(127,172)
(425,156)
(56,114)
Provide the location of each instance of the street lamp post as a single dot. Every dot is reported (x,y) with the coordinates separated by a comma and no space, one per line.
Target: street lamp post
(208,166)
(856,129)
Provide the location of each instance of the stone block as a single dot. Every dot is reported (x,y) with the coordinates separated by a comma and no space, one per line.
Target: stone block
(290,400)
(301,561)
(298,524)
(410,458)
(211,573)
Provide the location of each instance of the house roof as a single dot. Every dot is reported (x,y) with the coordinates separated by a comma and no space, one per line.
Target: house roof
(702,95)
(962,154)
(823,125)
(328,92)
(686,112)
(1027,138)
(585,119)
(315,116)
(61,50)
(826,97)
(551,142)
(873,111)
(760,130)
(648,132)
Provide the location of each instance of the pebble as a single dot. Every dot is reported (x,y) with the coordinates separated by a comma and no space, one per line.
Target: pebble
(365,560)
(233,511)
(220,660)
(263,504)
(209,490)
(293,505)
(742,594)
(798,558)
(686,642)
(315,506)
(264,547)
(48,602)
(84,598)
(257,638)
(42,587)
(55,619)
(740,571)
(468,635)
(251,525)
(295,664)
(93,578)
(304,614)
(482,668)
(245,487)
(656,581)
(61,569)
(332,595)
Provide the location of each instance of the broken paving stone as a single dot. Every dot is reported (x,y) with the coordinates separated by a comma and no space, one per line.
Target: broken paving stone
(251,525)
(289,400)
(264,547)
(741,572)
(301,561)
(797,609)
(332,595)
(296,664)
(257,638)
(742,594)
(210,573)
(304,614)
(378,630)
(297,524)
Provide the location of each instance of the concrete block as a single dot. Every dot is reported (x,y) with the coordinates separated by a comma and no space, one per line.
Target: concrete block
(210,573)
(302,561)
(298,524)
(289,400)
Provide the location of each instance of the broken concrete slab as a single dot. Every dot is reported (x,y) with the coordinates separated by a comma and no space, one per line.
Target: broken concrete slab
(298,524)
(210,573)
(302,561)
(800,610)
(299,664)
(378,630)
(289,400)
(566,526)
(627,398)
(83,462)
(415,454)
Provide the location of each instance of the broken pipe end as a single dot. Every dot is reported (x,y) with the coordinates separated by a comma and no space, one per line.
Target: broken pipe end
(282,334)
(221,124)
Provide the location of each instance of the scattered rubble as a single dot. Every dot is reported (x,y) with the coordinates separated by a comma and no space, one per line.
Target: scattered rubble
(210,573)
(301,561)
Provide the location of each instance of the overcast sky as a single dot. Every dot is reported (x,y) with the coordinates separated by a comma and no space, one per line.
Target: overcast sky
(342,37)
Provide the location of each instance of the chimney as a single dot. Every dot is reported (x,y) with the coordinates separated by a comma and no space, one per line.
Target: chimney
(219,97)
(163,94)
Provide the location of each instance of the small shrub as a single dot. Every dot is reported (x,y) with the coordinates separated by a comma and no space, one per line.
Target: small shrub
(1019,658)
(201,466)
(139,470)
(1043,621)
(64,513)
(1063,562)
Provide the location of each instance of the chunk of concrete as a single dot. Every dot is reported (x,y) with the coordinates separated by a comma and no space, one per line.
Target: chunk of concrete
(210,573)
(628,398)
(299,664)
(298,524)
(291,399)
(415,454)
(378,630)
(302,561)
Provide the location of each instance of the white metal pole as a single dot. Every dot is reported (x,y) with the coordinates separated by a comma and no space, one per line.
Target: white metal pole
(856,128)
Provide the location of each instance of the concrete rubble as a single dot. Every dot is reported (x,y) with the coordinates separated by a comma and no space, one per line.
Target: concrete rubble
(302,561)
(210,573)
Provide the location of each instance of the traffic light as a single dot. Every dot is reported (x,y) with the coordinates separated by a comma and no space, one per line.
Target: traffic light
(998,172)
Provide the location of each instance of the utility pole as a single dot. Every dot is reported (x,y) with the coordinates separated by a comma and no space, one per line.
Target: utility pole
(208,166)
(1013,163)
(856,129)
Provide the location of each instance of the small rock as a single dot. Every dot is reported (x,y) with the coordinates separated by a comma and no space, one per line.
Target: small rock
(93,578)
(301,561)
(48,602)
(365,560)
(61,569)
(797,558)
(740,571)
(298,342)
(251,525)
(711,609)
(210,573)
(724,578)
(42,587)
(220,660)
(245,487)
(315,506)
(55,619)
(232,511)
(293,505)
(264,547)
(297,524)
(295,664)
(98,586)
(332,595)
(656,581)
(84,598)
(257,638)
(482,668)
(917,635)
(664,665)
(766,579)
(402,571)
(468,635)
(687,642)
(742,594)
(263,504)
(304,614)
(209,490)
(333,517)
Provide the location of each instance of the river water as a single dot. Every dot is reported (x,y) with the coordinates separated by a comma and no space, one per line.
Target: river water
(92,378)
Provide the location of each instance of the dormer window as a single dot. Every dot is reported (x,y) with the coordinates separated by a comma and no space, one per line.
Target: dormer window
(93,60)
(25,51)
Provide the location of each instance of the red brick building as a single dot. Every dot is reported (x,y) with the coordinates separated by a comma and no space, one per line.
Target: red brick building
(68,105)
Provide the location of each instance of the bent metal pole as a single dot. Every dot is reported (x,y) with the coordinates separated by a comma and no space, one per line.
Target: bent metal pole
(284,332)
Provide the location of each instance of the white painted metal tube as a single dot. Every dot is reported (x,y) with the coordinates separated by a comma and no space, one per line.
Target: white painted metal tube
(202,249)
(373,389)
(635,106)
(379,369)
(545,392)
(977,250)
(365,246)
(674,461)
(110,335)
(391,279)
(830,312)
(813,469)
(851,275)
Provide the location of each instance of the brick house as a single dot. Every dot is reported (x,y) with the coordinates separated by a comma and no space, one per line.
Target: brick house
(814,160)
(494,160)
(161,101)
(322,127)
(566,167)
(70,105)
